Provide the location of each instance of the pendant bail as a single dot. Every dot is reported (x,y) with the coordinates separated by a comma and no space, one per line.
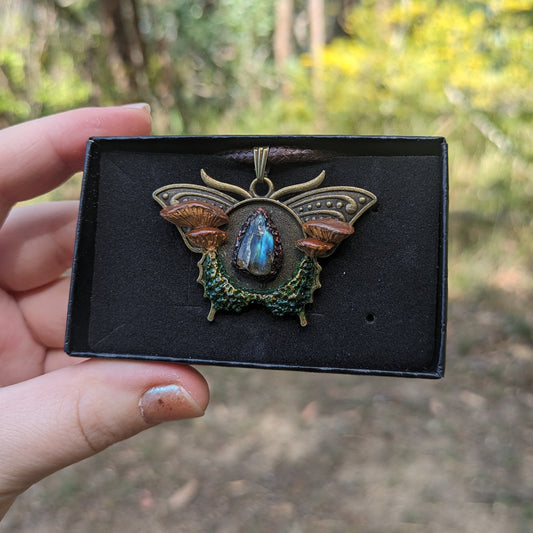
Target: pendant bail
(260,162)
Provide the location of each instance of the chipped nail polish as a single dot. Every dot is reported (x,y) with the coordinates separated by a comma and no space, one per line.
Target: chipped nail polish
(168,402)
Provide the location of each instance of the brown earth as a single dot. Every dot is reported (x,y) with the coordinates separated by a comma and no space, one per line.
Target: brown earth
(298,452)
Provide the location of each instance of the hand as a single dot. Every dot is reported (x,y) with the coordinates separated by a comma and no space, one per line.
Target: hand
(55,410)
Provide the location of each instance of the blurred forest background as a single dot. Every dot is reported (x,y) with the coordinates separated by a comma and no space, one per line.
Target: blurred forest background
(305,452)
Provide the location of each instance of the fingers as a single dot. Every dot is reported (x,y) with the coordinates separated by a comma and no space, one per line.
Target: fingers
(37,156)
(36,244)
(56,358)
(45,312)
(60,418)
(21,356)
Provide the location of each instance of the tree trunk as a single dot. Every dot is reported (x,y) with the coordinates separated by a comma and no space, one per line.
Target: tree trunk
(283,32)
(121,26)
(317,42)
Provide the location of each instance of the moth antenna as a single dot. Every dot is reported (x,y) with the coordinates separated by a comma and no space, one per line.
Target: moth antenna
(299,187)
(221,186)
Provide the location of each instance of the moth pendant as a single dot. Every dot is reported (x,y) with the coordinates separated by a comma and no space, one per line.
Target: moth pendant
(256,248)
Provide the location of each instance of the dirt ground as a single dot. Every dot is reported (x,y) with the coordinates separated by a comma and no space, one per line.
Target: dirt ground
(298,452)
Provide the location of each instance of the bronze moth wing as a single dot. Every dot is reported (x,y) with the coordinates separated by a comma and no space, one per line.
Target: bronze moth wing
(343,203)
(182,192)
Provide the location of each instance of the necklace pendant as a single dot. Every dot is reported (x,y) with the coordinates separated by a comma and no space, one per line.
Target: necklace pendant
(260,249)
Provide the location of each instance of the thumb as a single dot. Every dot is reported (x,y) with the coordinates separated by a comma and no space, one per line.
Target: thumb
(67,415)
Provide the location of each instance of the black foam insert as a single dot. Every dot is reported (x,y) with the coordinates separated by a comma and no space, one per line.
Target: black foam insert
(382,305)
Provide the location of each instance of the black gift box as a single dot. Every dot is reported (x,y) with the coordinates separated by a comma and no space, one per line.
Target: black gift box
(382,305)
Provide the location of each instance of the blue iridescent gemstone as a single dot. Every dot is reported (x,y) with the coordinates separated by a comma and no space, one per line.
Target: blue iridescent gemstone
(258,248)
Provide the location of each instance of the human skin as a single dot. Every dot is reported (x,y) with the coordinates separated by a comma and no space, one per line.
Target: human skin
(56,410)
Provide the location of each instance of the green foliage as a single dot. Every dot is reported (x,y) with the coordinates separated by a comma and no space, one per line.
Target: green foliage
(38,74)
(12,66)
(214,53)
(191,60)
(425,59)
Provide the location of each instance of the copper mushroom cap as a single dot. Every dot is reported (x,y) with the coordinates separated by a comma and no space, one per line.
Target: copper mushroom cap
(206,238)
(328,229)
(194,214)
(313,247)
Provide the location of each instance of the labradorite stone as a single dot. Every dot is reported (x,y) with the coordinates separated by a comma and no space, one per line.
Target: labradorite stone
(256,248)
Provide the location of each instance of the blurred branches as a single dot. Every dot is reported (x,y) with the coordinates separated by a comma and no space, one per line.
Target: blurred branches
(460,69)
(194,60)
(379,65)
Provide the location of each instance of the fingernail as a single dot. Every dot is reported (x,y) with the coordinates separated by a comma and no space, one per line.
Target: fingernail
(139,105)
(168,402)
